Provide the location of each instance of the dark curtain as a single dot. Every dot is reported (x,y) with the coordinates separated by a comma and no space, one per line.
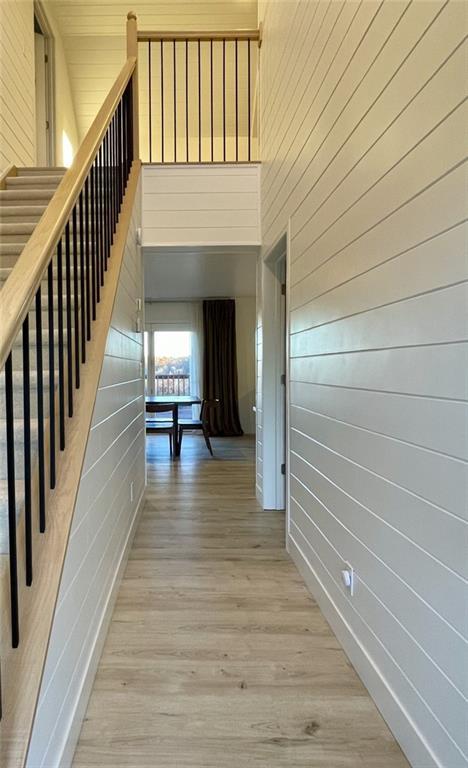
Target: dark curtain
(220,366)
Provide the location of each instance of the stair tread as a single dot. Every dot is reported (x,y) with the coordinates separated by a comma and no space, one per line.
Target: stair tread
(28,170)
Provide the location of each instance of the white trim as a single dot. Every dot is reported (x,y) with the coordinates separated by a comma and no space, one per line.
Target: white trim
(273,395)
(288,378)
(40,14)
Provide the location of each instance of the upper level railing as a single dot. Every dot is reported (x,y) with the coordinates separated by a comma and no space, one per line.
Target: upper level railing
(198,96)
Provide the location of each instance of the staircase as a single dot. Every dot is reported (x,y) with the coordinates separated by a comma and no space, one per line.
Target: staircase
(22,203)
(63,236)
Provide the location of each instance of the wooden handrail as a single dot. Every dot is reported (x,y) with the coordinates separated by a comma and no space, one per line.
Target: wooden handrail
(25,278)
(204,36)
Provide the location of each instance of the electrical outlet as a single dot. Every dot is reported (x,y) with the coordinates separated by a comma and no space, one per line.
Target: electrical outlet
(348,578)
(131,491)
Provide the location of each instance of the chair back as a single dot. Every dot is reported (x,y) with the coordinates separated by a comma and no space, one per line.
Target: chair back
(206,406)
(161,408)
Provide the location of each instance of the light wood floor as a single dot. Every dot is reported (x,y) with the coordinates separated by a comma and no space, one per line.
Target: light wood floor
(217,656)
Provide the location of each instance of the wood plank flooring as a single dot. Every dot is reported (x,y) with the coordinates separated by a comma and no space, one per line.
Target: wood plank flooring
(217,656)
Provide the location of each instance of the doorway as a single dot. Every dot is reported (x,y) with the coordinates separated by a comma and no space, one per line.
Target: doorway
(275,377)
(44,88)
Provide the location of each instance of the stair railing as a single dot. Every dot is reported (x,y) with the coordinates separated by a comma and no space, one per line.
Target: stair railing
(198,95)
(71,247)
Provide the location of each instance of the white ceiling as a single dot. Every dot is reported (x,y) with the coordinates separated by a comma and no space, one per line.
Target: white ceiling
(199,273)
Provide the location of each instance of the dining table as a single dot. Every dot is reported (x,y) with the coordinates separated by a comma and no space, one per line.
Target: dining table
(176,401)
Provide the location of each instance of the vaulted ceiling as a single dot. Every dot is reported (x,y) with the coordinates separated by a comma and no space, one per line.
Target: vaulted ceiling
(94,37)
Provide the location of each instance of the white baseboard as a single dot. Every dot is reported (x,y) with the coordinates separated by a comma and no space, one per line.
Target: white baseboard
(78,710)
(411,741)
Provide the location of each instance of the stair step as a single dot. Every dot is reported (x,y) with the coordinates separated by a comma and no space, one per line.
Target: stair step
(9,252)
(5,272)
(34,182)
(16,232)
(21,213)
(18,394)
(41,171)
(25,196)
(19,446)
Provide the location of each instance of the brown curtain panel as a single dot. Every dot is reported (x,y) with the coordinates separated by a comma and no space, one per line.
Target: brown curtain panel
(220,366)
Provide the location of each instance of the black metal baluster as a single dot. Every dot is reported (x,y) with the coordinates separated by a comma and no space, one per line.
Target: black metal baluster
(237,103)
(61,357)
(130,125)
(82,281)
(27,451)
(161,45)
(114,164)
(95,228)
(11,487)
(224,100)
(119,154)
(108,194)
(211,97)
(102,228)
(121,149)
(92,242)
(114,174)
(105,193)
(87,258)
(69,321)
(186,103)
(111,180)
(150,143)
(123,145)
(175,98)
(248,98)
(50,312)
(199,105)
(125,137)
(76,308)
(40,411)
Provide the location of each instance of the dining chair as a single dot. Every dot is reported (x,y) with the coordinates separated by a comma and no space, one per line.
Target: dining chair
(201,423)
(162,426)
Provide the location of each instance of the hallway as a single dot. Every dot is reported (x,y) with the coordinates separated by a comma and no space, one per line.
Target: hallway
(217,656)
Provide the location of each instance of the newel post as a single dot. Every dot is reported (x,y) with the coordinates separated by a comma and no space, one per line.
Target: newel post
(132,50)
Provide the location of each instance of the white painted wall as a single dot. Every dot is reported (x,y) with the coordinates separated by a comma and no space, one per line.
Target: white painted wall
(17,94)
(102,526)
(201,204)
(17,88)
(363,143)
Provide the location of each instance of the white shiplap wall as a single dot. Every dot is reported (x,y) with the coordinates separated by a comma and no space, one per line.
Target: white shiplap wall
(17,96)
(102,526)
(363,141)
(202,204)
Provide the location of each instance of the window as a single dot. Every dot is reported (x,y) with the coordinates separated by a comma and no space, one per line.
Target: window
(172,353)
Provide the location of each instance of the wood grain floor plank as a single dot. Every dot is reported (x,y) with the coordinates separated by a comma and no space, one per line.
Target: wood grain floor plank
(217,656)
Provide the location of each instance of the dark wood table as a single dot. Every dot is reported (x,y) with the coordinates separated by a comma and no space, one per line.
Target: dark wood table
(175,400)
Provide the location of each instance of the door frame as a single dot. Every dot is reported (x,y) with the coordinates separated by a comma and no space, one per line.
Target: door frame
(275,395)
(49,45)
